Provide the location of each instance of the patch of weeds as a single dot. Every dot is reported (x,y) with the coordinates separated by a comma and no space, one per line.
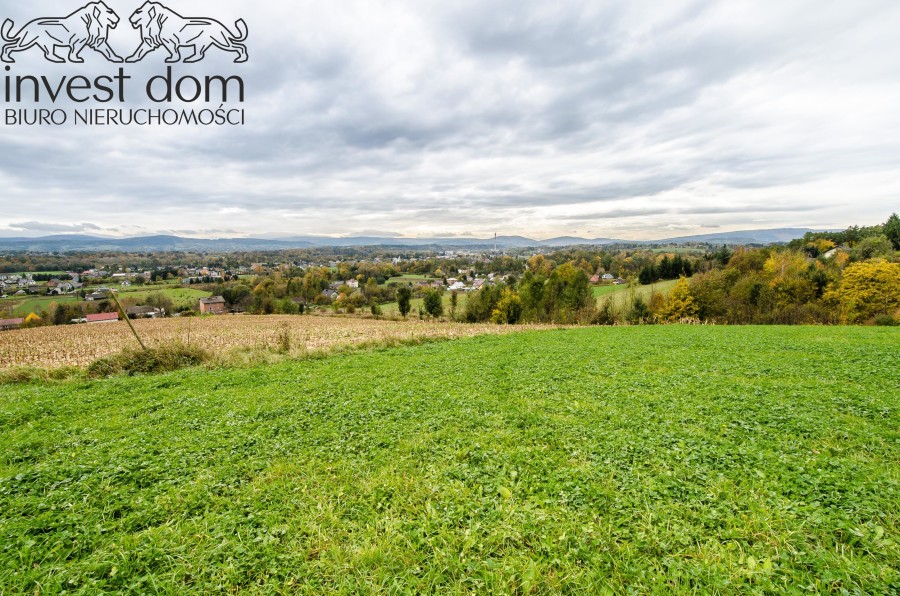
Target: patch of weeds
(886,321)
(161,359)
(33,375)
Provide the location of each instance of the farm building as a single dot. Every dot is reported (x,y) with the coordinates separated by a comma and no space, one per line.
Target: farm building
(103,317)
(10,324)
(212,306)
(144,312)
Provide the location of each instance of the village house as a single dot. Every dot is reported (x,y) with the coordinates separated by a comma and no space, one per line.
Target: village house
(595,279)
(10,324)
(144,312)
(212,306)
(608,277)
(95,296)
(61,288)
(103,317)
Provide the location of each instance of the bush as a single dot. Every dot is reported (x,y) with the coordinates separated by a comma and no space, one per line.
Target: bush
(283,340)
(152,361)
(886,321)
(605,315)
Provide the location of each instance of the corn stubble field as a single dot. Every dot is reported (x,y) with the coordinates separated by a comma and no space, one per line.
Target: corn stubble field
(71,345)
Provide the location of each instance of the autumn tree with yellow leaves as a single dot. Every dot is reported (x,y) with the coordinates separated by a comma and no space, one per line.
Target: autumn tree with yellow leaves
(867,289)
(680,304)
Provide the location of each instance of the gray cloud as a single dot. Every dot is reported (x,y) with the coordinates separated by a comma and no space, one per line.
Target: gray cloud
(36,226)
(515,116)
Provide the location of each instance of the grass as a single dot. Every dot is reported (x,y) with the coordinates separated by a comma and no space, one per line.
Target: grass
(637,460)
(151,360)
(409,277)
(180,296)
(393,310)
(600,291)
(24,307)
(621,294)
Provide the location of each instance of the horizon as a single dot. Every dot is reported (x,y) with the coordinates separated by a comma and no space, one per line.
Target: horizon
(450,238)
(625,121)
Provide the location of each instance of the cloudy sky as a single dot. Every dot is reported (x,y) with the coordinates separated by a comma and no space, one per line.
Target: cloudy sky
(621,118)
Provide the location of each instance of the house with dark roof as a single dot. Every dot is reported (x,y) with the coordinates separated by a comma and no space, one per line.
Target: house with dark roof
(144,312)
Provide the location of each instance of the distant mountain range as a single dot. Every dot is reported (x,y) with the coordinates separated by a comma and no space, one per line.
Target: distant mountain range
(63,243)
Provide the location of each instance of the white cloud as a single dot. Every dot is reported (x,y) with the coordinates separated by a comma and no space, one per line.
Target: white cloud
(630,119)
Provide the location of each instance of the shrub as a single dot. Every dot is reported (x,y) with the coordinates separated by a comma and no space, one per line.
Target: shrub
(283,340)
(886,321)
(151,361)
(605,315)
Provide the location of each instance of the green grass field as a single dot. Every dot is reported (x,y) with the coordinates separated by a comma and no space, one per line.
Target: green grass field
(22,307)
(600,291)
(393,310)
(621,294)
(665,460)
(408,278)
(181,296)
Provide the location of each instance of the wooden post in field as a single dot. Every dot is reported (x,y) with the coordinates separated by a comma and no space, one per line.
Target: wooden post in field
(127,320)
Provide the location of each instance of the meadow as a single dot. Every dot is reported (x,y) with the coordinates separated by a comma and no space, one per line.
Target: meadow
(676,460)
(620,295)
(392,309)
(22,307)
(180,296)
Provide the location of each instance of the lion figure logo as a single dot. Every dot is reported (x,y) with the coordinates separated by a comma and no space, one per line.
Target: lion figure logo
(163,27)
(87,27)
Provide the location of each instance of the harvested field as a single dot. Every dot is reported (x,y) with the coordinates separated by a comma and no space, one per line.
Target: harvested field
(56,347)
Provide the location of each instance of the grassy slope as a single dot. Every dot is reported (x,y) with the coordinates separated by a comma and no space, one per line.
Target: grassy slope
(393,309)
(620,294)
(667,459)
(181,296)
(34,304)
